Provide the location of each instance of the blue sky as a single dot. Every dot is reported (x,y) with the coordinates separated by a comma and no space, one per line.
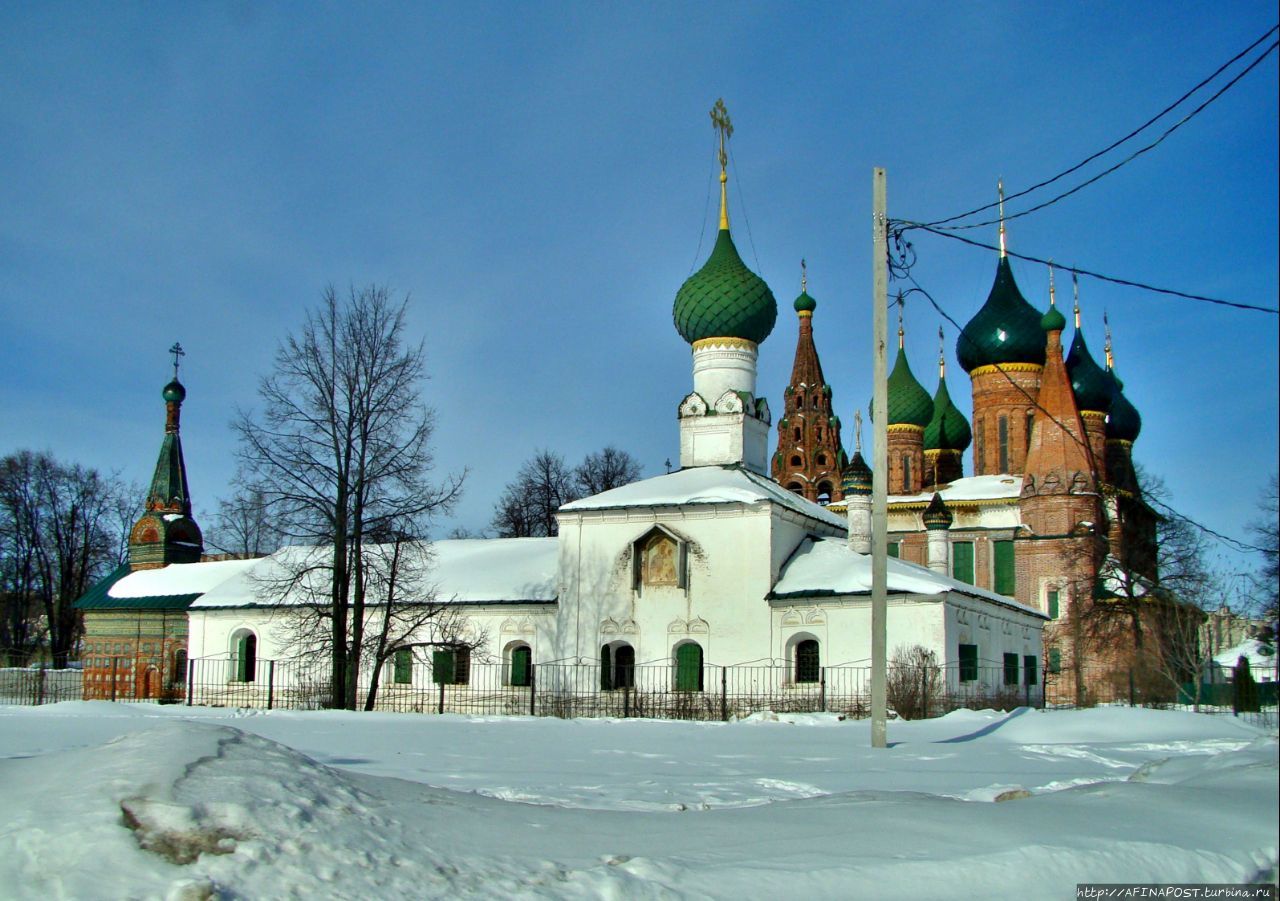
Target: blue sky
(536,177)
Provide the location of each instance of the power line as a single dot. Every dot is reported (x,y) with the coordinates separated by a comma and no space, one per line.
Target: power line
(898,226)
(1226,539)
(1130,158)
(1128,137)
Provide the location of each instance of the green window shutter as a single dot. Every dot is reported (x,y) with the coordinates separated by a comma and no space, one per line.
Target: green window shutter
(1053,603)
(1010,669)
(894,548)
(962,561)
(1029,666)
(242,659)
(520,659)
(968,662)
(442,666)
(1005,579)
(1055,660)
(403,667)
(689,667)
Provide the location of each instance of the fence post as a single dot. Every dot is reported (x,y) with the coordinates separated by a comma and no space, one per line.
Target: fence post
(724,694)
(440,702)
(114,660)
(40,686)
(626,701)
(1027,686)
(533,688)
(271,683)
(191,680)
(822,689)
(1131,689)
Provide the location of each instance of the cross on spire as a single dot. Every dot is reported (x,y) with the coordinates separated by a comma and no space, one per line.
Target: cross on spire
(1000,192)
(724,127)
(1075,295)
(1052,295)
(1106,326)
(857,431)
(804,277)
(942,355)
(901,332)
(177,352)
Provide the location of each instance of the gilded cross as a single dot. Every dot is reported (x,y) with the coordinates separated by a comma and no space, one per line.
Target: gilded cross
(720,122)
(857,431)
(177,352)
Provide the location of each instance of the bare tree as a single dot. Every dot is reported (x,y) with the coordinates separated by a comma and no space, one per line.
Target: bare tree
(244,526)
(606,469)
(59,532)
(915,682)
(340,450)
(527,507)
(1266,534)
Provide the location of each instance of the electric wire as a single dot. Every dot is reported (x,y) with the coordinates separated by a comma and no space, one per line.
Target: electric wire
(1104,173)
(742,196)
(1115,144)
(702,232)
(896,231)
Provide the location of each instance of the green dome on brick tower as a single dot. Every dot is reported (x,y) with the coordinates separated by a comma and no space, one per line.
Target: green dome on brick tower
(1053,321)
(947,429)
(1123,421)
(804,303)
(725,299)
(1006,330)
(909,403)
(1093,390)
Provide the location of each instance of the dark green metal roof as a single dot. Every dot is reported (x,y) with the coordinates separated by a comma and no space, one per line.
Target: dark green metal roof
(947,428)
(857,475)
(169,483)
(1006,329)
(1092,388)
(909,403)
(99,598)
(936,515)
(804,303)
(724,299)
(1053,321)
(1123,421)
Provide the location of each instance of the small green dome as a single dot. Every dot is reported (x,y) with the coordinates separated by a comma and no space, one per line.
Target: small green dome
(174,392)
(1006,329)
(1053,321)
(1092,388)
(936,515)
(724,299)
(804,303)
(909,403)
(1123,421)
(857,476)
(947,429)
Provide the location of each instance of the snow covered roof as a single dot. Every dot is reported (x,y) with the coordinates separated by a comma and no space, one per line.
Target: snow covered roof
(705,485)
(463,571)
(1259,654)
(828,566)
(971,489)
(178,578)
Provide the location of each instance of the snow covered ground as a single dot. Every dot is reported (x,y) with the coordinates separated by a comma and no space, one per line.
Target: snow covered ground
(101,800)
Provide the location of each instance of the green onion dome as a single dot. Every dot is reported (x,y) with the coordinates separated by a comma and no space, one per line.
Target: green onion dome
(1006,329)
(1092,388)
(936,515)
(724,299)
(947,429)
(1053,321)
(804,303)
(909,403)
(857,476)
(174,392)
(1123,421)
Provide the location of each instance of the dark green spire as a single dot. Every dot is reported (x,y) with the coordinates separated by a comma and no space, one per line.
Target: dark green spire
(1092,388)
(166,533)
(725,299)
(1123,421)
(909,403)
(936,515)
(947,428)
(1006,329)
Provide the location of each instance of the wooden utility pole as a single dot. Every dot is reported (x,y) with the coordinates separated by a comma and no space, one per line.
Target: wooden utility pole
(880,461)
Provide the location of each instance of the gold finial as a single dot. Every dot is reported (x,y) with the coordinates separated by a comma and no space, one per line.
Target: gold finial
(177,352)
(1052,296)
(942,356)
(720,122)
(900,331)
(1106,328)
(857,431)
(1075,294)
(804,277)
(1000,191)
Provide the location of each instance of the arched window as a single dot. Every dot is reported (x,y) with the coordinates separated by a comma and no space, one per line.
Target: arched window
(244,656)
(824,493)
(1031,415)
(906,474)
(1003,429)
(822,458)
(617,666)
(519,664)
(807,663)
(799,434)
(795,488)
(688,666)
(796,460)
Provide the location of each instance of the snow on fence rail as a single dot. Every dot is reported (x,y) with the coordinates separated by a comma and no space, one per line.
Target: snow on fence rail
(32,686)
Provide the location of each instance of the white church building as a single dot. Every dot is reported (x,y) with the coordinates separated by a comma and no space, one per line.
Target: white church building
(692,578)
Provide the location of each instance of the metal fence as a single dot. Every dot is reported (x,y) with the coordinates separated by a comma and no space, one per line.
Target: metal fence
(658,691)
(35,685)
